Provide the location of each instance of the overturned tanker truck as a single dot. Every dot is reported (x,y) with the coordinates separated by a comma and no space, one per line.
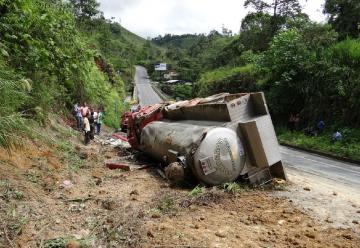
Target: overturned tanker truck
(217,139)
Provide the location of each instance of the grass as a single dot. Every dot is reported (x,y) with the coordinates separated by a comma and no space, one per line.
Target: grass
(8,191)
(195,192)
(69,155)
(234,188)
(33,176)
(348,147)
(63,242)
(166,205)
(11,131)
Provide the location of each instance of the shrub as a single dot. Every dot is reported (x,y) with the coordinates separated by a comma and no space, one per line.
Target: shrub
(232,80)
(13,94)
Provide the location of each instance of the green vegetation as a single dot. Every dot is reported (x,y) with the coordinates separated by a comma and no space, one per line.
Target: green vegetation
(234,188)
(184,41)
(303,67)
(178,91)
(233,80)
(344,16)
(183,91)
(69,241)
(195,192)
(56,53)
(166,205)
(9,192)
(348,147)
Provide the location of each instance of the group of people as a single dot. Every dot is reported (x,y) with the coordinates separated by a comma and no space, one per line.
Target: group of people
(88,120)
(318,129)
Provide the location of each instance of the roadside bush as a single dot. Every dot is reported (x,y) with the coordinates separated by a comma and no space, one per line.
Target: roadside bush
(183,91)
(348,147)
(114,106)
(13,94)
(232,80)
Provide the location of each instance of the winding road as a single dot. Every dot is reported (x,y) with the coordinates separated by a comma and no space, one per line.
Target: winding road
(145,92)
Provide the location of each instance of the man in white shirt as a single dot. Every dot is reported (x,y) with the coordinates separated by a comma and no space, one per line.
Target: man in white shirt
(87,129)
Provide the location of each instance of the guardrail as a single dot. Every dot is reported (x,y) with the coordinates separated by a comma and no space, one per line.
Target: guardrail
(161,94)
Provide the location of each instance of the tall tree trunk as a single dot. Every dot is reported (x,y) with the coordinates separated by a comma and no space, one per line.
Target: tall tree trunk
(275,7)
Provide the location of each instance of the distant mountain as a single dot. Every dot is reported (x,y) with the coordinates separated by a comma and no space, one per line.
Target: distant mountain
(184,41)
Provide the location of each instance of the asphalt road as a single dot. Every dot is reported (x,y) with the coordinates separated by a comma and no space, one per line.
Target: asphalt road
(294,160)
(146,93)
(341,172)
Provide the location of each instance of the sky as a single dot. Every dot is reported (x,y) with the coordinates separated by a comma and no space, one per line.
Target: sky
(150,18)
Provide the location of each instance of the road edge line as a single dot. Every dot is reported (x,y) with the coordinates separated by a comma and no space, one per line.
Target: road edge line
(324,154)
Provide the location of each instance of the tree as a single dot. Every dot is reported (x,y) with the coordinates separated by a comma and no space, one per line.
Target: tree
(225,31)
(256,31)
(344,16)
(287,63)
(85,9)
(278,8)
(259,27)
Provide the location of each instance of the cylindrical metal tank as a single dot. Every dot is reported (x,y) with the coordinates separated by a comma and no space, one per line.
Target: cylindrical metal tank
(214,154)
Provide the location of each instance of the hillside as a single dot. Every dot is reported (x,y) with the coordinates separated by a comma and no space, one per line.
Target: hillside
(304,68)
(56,192)
(52,57)
(184,41)
(121,48)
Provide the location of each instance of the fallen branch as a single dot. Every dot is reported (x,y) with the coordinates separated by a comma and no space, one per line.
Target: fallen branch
(79,199)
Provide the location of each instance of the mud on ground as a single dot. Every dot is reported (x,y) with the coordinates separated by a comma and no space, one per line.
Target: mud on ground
(60,194)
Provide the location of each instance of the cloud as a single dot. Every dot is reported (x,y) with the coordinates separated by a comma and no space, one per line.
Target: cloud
(149,18)
(111,6)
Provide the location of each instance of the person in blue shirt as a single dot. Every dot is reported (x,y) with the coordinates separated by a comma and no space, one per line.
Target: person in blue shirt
(320,126)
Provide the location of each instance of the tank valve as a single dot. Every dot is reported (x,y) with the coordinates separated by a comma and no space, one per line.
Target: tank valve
(175,172)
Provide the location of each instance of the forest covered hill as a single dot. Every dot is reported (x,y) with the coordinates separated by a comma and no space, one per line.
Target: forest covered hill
(303,67)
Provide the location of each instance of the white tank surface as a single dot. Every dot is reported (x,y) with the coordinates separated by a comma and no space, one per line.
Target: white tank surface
(220,157)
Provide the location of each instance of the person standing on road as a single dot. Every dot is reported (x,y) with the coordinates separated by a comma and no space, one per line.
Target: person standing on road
(86,129)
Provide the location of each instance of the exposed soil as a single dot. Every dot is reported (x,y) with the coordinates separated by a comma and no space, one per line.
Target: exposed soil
(47,202)
(335,203)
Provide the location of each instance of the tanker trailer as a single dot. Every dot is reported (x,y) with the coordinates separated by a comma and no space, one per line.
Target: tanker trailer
(215,139)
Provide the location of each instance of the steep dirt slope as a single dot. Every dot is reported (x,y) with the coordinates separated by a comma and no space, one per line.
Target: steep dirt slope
(57,193)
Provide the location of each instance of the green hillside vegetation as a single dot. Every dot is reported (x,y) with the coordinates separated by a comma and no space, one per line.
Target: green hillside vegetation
(52,56)
(121,48)
(234,79)
(302,66)
(184,41)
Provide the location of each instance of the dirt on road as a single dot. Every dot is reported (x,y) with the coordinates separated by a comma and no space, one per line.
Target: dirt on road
(59,193)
